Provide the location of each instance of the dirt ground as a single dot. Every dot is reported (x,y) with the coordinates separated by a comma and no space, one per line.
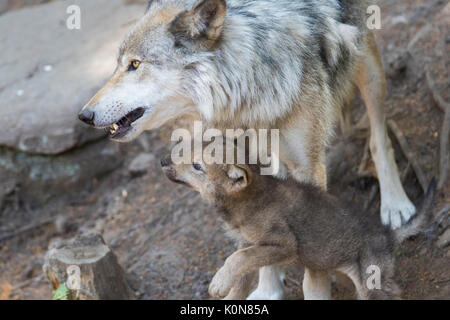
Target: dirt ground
(171,243)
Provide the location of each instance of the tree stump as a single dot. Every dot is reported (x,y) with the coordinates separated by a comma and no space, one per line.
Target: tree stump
(88,268)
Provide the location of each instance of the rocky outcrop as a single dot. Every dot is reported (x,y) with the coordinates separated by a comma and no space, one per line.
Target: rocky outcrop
(49,72)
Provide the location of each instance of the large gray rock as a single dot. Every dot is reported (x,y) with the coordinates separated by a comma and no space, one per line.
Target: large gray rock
(38,178)
(141,164)
(49,72)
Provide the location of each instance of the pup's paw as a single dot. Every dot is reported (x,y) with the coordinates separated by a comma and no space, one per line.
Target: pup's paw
(221,284)
(396,214)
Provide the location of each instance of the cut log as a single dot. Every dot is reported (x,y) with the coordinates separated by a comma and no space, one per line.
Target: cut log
(88,268)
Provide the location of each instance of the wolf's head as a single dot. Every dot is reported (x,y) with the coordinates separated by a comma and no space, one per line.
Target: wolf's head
(149,86)
(213,181)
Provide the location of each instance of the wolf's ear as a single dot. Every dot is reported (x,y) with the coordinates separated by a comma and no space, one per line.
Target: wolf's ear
(240,176)
(203,23)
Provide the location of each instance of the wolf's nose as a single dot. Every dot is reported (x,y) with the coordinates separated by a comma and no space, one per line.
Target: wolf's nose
(87,116)
(165,162)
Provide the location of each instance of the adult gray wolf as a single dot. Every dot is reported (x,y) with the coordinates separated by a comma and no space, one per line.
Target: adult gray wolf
(281,64)
(280,222)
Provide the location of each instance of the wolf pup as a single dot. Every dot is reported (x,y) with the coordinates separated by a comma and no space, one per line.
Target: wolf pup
(282,222)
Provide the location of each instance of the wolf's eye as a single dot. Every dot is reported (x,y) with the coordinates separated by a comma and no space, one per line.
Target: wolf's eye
(197,166)
(134,65)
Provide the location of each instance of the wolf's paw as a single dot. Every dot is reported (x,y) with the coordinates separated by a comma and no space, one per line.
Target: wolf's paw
(397,214)
(258,294)
(221,284)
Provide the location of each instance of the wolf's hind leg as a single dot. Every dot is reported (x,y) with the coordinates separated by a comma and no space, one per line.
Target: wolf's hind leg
(396,208)
(270,285)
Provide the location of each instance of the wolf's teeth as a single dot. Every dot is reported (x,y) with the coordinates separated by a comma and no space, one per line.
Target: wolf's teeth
(113,128)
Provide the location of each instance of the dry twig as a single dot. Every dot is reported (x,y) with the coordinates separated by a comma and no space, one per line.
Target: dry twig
(408,154)
(445,132)
(362,169)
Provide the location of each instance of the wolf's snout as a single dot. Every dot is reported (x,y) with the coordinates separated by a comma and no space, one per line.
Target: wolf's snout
(87,116)
(165,162)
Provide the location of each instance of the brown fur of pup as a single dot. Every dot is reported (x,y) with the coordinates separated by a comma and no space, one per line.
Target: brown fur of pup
(285,221)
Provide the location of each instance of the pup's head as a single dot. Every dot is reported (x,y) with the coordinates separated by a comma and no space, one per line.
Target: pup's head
(212,181)
(156,67)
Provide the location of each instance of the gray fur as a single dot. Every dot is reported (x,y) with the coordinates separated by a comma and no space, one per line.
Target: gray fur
(284,64)
(266,50)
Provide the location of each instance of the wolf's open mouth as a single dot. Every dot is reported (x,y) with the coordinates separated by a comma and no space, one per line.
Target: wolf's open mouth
(120,128)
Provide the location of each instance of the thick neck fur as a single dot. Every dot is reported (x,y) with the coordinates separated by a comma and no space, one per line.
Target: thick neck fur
(259,60)
(235,208)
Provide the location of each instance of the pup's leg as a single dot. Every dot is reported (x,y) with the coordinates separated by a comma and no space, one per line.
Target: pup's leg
(373,277)
(245,261)
(242,288)
(396,208)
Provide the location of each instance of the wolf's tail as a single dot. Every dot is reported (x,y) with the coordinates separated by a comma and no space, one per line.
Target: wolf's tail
(421,220)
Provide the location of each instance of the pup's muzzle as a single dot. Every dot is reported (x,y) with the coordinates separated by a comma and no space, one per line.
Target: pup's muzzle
(165,162)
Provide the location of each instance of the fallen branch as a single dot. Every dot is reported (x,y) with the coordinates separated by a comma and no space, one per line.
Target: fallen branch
(408,154)
(441,222)
(440,102)
(29,282)
(373,194)
(406,173)
(445,132)
(442,217)
(365,159)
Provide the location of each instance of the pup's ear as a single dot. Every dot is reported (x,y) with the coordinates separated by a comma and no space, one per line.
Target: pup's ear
(204,23)
(240,176)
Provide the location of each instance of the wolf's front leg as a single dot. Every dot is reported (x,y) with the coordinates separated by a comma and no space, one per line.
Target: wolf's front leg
(316,285)
(244,261)
(396,208)
(270,285)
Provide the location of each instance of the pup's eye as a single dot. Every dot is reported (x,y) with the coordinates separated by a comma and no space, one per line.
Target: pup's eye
(197,166)
(134,65)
